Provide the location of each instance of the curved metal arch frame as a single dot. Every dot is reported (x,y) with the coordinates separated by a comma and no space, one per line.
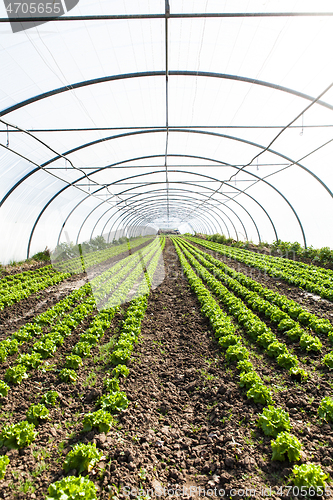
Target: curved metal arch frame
(154,156)
(147,209)
(146,74)
(90,213)
(181,197)
(156,212)
(210,189)
(74,208)
(185,191)
(127,76)
(155,196)
(188,131)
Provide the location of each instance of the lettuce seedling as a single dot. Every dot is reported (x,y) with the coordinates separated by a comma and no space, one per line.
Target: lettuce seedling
(298,373)
(100,419)
(286,324)
(36,413)
(89,337)
(248,379)
(82,349)
(287,360)
(31,361)
(82,457)
(328,360)
(276,348)
(113,402)
(325,410)
(274,420)
(236,352)
(67,375)
(73,361)
(111,384)
(309,476)
(260,393)
(15,374)
(17,435)
(4,388)
(245,366)
(310,343)
(72,488)
(11,346)
(4,461)
(265,339)
(46,348)
(229,340)
(286,444)
(120,356)
(120,371)
(50,398)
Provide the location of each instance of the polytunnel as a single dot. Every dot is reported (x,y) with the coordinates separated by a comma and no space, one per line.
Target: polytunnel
(124,117)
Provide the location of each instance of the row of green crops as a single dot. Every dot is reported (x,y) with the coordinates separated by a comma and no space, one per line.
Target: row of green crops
(88,260)
(256,329)
(274,421)
(282,318)
(47,344)
(22,285)
(309,278)
(83,457)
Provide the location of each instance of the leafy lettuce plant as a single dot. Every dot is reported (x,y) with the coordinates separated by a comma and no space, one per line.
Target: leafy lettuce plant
(73,361)
(46,348)
(113,402)
(286,444)
(31,361)
(17,435)
(236,353)
(120,356)
(67,375)
(15,374)
(50,398)
(276,348)
(310,343)
(260,393)
(229,340)
(309,476)
(274,420)
(4,388)
(298,373)
(328,360)
(248,379)
(100,419)
(72,488)
(36,413)
(4,461)
(287,360)
(120,371)
(82,457)
(266,338)
(111,384)
(325,410)
(82,349)
(245,366)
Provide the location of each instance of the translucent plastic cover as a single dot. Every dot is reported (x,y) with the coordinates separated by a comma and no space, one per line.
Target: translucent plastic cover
(125,117)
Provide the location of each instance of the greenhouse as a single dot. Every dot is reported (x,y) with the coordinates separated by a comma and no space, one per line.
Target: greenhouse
(166,262)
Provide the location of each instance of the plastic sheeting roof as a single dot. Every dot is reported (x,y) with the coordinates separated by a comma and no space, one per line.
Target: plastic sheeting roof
(203,115)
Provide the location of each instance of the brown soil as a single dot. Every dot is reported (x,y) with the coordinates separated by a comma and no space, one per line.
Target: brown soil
(188,422)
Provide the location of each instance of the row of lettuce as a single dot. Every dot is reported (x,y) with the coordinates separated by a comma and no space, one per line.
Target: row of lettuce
(291,320)
(14,288)
(306,276)
(323,255)
(83,457)
(274,421)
